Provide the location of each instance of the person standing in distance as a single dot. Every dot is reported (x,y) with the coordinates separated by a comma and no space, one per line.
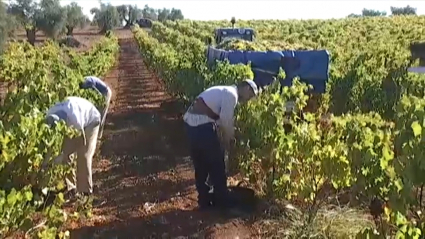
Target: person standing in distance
(93,82)
(82,115)
(212,108)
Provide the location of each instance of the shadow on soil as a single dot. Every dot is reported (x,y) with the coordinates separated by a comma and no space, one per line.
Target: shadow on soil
(146,151)
(171,224)
(93,33)
(143,160)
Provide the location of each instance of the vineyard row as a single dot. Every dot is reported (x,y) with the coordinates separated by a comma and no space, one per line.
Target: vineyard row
(374,154)
(39,78)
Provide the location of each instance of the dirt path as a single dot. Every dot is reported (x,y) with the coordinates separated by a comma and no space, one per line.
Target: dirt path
(144,178)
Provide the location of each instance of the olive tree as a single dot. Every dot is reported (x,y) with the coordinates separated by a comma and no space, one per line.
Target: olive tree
(167,14)
(149,13)
(106,17)
(3,24)
(175,14)
(74,17)
(408,10)
(46,15)
(27,14)
(52,18)
(130,14)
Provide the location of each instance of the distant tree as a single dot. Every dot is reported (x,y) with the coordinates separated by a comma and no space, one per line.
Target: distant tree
(12,22)
(106,17)
(74,17)
(129,14)
(150,13)
(175,14)
(233,22)
(352,15)
(52,18)
(8,22)
(368,13)
(408,10)
(27,14)
(4,28)
(373,13)
(163,14)
(167,14)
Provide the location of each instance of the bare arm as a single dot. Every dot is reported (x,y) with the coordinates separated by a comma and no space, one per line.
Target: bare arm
(228,105)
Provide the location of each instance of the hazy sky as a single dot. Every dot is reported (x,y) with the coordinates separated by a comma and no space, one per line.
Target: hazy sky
(266,9)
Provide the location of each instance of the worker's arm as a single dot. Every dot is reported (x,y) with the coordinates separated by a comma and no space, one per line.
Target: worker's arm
(419,69)
(87,84)
(95,83)
(228,105)
(84,137)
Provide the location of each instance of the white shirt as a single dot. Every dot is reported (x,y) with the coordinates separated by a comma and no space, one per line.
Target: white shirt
(221,100)
(79,111)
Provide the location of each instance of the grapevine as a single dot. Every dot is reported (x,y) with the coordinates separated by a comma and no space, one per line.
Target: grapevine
(39,78)
(374,141)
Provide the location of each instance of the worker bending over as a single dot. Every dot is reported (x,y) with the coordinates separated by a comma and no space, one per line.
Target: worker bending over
(214,107)
(82,115)
(93,82)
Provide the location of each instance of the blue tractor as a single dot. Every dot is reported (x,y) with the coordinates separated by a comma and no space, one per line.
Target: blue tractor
(222,34)
(144,23)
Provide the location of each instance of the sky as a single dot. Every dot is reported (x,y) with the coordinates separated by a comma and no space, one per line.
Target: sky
(266,9)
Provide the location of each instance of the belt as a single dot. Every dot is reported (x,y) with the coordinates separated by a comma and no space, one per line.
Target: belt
(92,124)
(200,108)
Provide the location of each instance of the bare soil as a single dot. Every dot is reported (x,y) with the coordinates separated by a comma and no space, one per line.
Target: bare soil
(85,36)
(144,177)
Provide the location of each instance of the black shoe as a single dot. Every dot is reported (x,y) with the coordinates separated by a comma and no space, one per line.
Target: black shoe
(205,204)
(206,207)
(70,196)
(85,198)
(235,212)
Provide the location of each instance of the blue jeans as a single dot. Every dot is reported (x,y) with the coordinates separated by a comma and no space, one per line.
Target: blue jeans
(208,160)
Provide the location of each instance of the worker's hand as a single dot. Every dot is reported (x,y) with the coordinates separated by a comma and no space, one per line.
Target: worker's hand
(226,145)
(84,138)
(229,145)
(232,144)
(231,153)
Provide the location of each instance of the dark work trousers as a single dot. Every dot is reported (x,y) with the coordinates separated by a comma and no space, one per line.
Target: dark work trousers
(208,159)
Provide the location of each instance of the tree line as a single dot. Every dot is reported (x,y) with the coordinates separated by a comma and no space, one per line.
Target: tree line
(54,20)
(395,11)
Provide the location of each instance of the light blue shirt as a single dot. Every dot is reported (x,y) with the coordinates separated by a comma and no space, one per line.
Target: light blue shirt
(95,83)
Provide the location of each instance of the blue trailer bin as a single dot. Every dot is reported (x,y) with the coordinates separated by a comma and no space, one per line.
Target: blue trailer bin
(312,67)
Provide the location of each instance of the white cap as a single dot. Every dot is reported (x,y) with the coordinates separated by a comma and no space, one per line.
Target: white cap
(420,69)
(253,86)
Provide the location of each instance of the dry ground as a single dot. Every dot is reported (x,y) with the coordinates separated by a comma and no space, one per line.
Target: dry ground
(144,177)
(86,36)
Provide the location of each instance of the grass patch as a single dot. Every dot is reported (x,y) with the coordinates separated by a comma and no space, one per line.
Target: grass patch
(330,222)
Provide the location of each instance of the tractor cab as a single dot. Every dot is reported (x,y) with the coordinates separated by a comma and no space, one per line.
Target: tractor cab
(417,51)
(144,23)
(222,34)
